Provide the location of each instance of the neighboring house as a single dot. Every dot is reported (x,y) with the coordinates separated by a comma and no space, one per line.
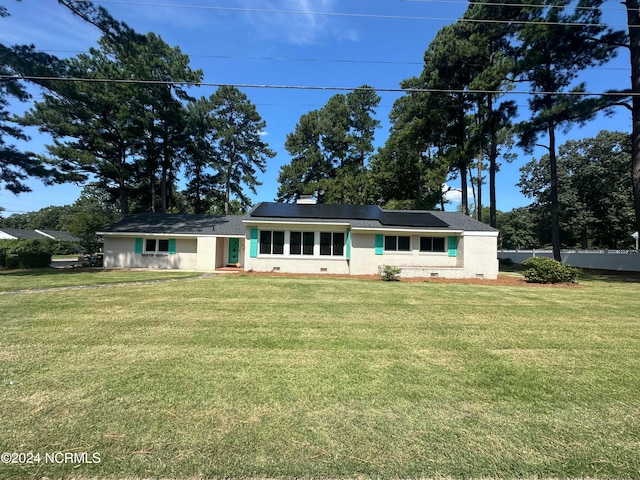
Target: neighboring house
(58,235)
(18,234)
(308,238)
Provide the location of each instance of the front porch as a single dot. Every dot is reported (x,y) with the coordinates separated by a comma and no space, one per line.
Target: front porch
(229,269)
(229,254)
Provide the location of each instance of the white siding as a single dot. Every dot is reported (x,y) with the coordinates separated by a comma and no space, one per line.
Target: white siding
(287,263)
(480,252)
(476,254)
(364,260)
(119,252)
(206,255)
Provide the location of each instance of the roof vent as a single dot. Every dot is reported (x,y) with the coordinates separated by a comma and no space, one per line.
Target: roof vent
(306,200)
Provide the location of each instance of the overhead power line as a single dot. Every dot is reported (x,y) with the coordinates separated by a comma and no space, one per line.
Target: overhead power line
(499,4)
(310,87)
(310,59)
(359,15)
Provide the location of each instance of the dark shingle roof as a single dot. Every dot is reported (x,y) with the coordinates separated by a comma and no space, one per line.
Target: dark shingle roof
(22,234)
(367,216)
(178,224)
(58,235)
(460,221)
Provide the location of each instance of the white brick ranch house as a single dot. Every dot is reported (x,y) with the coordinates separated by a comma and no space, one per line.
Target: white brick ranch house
(308,238)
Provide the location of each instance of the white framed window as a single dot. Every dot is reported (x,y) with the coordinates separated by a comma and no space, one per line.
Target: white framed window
(301,243)
(397,243)
(271,242)
(156,245)
(332,243)
(432,244)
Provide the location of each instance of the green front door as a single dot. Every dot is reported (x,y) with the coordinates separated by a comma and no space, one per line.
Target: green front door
(234,246)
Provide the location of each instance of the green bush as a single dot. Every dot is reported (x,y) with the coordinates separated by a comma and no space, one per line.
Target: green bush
(26,253)
(34,259)
(389,273)
(64,247)
(547,270)
(11,262)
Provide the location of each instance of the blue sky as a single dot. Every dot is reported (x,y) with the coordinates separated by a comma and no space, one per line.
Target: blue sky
(320,43)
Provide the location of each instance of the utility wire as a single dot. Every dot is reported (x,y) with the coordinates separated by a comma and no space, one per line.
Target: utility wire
(311,60)
(498,4)
(311,87)
(361,15)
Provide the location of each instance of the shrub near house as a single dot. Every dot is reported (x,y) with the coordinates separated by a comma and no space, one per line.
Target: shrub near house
(547,270)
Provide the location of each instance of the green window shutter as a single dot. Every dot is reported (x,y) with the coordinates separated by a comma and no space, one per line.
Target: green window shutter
(253,245)
(453,246)
(379,244)
(348,243)
(138,247)
(172,246)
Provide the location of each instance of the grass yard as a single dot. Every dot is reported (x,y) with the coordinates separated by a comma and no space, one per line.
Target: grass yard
(11,280)
(241,376)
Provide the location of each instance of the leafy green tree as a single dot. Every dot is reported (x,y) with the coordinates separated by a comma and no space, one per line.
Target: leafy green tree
(595,199)
(633,39)
(160,114)
(445,71)
(90,213)
(552,53)
(518,229)
(16,166)
(490,45)
(404,176)
(126,134)
(201,160)
(48,218)
(90,123)
(331,150)
(236,133)
(309,167)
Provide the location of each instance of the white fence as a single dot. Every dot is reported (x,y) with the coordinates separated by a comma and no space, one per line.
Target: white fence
(622,260)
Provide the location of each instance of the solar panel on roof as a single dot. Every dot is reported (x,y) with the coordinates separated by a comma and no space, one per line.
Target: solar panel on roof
(412,219)
(348,212)
(323,211)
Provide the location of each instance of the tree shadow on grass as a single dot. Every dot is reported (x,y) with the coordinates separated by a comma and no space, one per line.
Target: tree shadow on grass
(36,272)
(611,276)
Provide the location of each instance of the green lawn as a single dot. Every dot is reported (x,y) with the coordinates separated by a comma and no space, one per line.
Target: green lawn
(245,376)
(11,280)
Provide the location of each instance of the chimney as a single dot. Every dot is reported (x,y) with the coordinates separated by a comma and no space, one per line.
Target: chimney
(306,200)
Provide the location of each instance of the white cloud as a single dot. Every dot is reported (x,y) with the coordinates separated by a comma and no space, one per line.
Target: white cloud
(453,194)
(47,28)
(306,26)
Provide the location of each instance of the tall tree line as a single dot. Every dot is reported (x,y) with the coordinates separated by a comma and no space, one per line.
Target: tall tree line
(595,202)
(454,119)
(472,63)
(134,138)
(121,116)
